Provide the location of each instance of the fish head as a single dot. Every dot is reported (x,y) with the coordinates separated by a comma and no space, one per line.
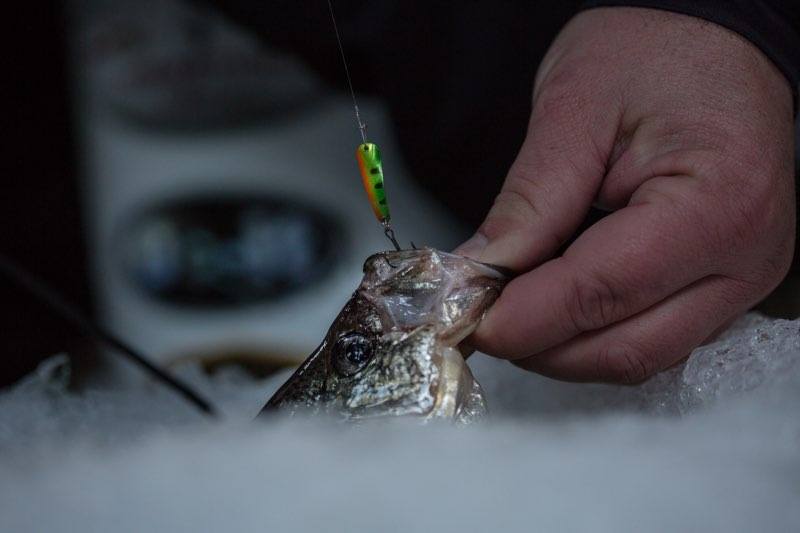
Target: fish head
(396,348)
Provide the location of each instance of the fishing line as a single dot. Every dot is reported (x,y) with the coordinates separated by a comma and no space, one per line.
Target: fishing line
(367,154)
(362,128)
(70,312)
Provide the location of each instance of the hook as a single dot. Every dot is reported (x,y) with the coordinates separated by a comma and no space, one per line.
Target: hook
(389,232)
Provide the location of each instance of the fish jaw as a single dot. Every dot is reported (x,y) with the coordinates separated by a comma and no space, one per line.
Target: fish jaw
(304,388)
(412,312)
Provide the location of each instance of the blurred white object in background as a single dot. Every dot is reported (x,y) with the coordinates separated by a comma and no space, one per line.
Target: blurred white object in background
(179,110)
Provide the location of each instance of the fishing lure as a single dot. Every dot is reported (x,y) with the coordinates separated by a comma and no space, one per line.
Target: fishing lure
(368,155)
(369,163)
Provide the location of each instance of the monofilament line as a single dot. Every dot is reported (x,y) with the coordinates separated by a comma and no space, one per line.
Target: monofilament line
(362,128)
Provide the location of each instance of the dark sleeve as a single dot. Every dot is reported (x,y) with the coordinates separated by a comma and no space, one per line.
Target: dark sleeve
(771,25)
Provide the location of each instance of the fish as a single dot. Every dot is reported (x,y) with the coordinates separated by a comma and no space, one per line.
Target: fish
(398,347)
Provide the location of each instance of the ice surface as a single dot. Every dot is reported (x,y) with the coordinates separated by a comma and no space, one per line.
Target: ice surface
(712,445)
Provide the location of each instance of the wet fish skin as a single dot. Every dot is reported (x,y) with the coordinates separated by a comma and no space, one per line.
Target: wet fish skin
(395,348)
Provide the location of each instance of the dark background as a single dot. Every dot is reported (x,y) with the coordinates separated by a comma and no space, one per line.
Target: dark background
(42,226)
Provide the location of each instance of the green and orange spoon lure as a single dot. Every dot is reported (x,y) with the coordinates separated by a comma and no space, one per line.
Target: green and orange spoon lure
(368,156)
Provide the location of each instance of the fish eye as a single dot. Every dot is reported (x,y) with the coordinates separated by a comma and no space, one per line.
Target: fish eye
(351,353)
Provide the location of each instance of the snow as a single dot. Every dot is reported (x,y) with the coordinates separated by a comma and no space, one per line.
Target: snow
(712,445)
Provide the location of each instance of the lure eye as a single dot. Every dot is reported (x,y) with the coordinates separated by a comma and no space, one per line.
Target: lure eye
(351,353)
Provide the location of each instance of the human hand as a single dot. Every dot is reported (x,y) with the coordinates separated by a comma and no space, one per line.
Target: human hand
(684,130)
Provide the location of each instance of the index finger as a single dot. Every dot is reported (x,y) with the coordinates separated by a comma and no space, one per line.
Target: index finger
(622,265)
(555,177)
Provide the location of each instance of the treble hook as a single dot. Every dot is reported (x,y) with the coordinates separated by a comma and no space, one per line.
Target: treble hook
(389,232)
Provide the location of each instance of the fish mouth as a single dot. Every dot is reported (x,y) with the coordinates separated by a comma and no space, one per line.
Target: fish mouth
(409,288)
(394,258)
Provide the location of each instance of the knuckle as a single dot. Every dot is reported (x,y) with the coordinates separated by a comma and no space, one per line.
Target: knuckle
(750,211)
(558,78)
(591,303)
(557,100)
(563,99)
(758,221)
(778,261)
(766,274)
(754,186)
(781,261)
(623,363)
(515,205)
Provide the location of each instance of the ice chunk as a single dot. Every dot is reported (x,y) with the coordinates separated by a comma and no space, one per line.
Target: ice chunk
(764,355)
(756,355)
(41,408)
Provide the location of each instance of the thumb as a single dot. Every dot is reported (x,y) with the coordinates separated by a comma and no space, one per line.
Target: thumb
(553,181)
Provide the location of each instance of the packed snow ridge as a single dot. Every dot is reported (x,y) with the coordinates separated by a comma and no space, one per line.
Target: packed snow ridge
(711,445)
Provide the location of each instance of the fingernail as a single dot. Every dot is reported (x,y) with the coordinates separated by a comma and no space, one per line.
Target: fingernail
(473,246)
